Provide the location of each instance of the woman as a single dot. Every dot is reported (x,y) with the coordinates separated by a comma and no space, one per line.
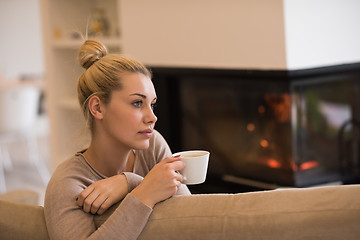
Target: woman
(127,159)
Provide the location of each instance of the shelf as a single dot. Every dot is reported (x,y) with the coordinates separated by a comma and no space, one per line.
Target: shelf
(114,42)
(64,23)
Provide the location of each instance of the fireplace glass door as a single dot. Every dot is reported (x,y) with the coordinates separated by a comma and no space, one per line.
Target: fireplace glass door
(281,132)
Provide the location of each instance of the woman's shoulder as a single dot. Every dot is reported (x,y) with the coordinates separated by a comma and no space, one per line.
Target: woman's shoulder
(73,172)
(157,139)
(158,147)
(71,166)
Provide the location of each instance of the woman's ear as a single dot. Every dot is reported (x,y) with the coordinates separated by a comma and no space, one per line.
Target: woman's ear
(95,107)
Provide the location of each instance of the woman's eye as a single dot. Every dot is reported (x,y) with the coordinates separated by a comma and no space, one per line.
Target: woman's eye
(137,104)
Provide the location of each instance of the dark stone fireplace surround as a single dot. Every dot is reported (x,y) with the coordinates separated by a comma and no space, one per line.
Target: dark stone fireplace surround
(168,79)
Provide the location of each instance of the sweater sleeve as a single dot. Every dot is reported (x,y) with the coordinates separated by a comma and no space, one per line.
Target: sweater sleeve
(133,180)
(127,221)
(161,149)
(65,220)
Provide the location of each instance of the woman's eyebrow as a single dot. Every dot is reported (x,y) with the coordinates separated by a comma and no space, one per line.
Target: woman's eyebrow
(138,94)
(142,96)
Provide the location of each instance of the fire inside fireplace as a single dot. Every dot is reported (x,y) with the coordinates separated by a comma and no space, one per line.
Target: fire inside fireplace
(264,126)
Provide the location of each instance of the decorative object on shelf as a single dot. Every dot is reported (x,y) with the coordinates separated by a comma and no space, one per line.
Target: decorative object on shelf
(99,25)
(75,35)
(57,33)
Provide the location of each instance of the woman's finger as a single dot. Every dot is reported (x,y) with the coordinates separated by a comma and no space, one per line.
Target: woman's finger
(98,202)
(89,200)
(108,202)
(178,165)
(179,177)
(170,160)
(83,195)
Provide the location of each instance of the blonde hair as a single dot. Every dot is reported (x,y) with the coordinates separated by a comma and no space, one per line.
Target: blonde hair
(102,74)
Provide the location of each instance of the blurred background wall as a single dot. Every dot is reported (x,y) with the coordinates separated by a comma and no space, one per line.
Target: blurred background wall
(21,43)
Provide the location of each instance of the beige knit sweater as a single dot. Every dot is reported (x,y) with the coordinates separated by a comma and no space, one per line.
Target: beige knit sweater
(65,220)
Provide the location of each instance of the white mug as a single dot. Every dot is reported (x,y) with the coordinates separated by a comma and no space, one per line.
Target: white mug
(196,166)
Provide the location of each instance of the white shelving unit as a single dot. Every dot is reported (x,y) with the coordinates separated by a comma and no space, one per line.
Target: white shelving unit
(110,42)
(64,24)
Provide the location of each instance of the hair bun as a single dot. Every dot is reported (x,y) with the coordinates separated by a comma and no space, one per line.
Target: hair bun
(90,52)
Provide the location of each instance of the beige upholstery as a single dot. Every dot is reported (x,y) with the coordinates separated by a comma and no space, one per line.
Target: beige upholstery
(312,213)
(21,196)
(21,221)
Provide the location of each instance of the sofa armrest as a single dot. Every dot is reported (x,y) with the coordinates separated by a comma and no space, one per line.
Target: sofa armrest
(21,196)
(20,221)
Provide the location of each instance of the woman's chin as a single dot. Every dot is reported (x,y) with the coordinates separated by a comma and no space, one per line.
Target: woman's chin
(142,146)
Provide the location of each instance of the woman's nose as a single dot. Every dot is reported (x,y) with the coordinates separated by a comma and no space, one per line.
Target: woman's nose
(150,116)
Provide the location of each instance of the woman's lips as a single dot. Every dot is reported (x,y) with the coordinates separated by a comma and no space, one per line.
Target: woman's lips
(147,133)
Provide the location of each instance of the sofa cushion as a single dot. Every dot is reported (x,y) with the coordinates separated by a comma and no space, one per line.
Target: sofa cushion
(312,213)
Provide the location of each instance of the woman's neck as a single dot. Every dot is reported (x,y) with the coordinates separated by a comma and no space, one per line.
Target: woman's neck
(108,159)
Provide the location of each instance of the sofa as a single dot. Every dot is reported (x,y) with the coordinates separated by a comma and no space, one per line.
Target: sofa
(330,212)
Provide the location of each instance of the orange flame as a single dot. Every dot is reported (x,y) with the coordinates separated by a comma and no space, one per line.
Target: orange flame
(309,165)
(264,143)
(273,163)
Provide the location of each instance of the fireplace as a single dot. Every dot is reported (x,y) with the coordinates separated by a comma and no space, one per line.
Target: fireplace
(278,128)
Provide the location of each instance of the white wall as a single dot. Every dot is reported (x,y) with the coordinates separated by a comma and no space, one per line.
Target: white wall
(246,34)
(205,33)
(321,32)
(21,38)
(243,34)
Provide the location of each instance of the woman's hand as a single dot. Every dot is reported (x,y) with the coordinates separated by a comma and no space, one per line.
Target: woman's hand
(101,195)
(161,182)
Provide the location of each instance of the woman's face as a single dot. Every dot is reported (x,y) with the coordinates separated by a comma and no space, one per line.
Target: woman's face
(128,118)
